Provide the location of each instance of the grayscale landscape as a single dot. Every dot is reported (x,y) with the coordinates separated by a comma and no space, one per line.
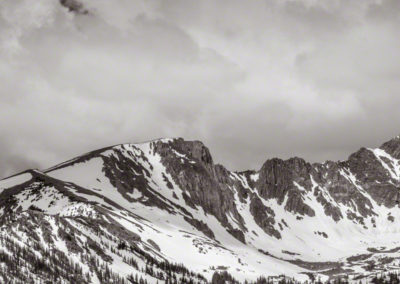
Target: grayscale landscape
(288,169)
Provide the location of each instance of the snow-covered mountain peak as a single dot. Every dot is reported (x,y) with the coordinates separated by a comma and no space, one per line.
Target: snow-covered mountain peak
(125,204)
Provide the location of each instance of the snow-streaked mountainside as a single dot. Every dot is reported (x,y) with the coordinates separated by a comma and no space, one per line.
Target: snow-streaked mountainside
(162,211)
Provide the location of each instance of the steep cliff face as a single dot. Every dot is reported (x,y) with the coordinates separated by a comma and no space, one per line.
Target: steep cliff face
(372,172)
(281,180)
(204,184)
(392,147)
(167,199)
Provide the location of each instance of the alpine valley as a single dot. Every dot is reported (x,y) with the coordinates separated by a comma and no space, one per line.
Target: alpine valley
(164,212)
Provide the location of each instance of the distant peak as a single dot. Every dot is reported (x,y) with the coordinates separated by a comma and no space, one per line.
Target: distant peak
(392,147)
(194,148)
(394,140)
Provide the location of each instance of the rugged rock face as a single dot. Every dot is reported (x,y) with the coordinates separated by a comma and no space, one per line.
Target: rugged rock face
(263,216)
(204,184)
(159,201)
(392,147)
(277,180)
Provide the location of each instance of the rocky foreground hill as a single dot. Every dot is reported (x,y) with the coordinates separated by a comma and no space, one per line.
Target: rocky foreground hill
(164,212)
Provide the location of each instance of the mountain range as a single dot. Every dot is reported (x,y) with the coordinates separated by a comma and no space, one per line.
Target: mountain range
(164,212)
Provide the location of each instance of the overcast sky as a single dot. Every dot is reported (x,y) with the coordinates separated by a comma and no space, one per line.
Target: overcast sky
(251,79)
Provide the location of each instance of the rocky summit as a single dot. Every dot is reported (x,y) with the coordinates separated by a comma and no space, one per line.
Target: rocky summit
(164,212)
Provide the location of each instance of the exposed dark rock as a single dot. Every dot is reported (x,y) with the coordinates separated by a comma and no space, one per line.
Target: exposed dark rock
(323,234)
(277,180)
(329,208)
(238,234)
(353,216)
(127,174)
(154,245)
(264,217)
(392,147)
(374,178)
(359,257)
(205,185)
(201,226)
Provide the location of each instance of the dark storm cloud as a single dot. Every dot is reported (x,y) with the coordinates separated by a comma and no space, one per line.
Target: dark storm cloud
(251,79)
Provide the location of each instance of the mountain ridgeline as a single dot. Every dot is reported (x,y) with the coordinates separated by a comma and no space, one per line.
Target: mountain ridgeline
(164,212)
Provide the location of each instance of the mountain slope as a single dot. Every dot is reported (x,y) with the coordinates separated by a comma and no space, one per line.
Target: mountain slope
(141,209)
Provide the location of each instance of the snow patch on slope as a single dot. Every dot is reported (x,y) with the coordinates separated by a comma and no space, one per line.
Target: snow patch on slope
(394,165)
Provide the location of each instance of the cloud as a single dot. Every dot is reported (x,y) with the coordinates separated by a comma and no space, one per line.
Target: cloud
(253,79)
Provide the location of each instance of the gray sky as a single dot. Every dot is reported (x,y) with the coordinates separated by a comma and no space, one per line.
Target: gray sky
(251,79)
